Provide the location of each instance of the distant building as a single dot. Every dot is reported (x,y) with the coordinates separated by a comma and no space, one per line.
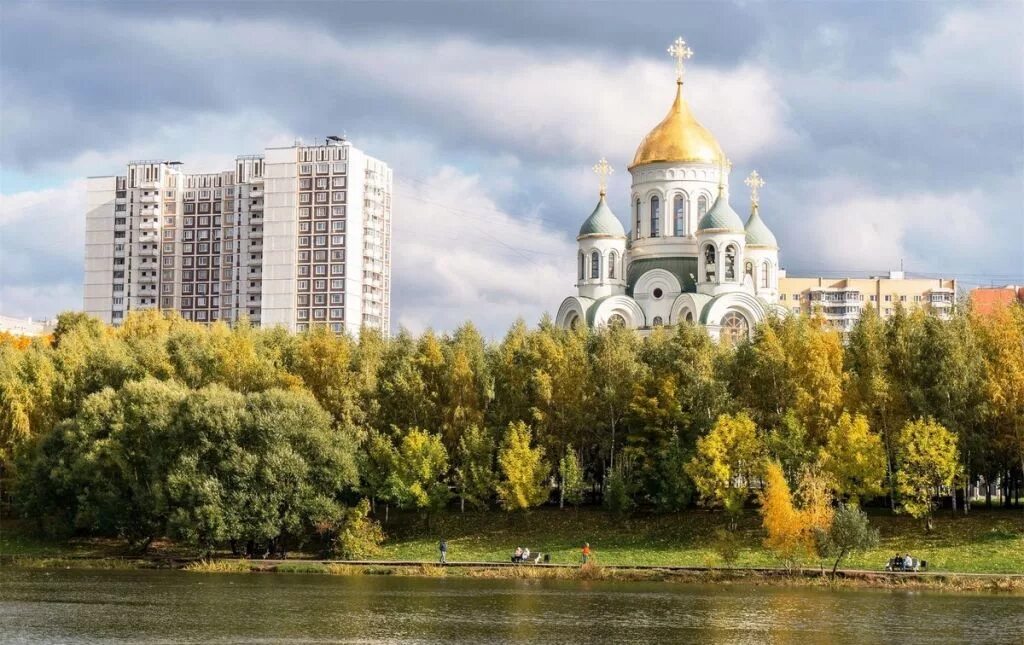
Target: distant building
(985,300)
(842,300)
(297,236)
(26,326)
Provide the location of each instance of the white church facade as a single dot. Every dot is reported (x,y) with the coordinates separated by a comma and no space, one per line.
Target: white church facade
(689,256)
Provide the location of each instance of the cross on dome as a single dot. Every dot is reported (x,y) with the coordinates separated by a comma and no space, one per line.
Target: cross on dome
(756,183)
(680,52)
(602,169)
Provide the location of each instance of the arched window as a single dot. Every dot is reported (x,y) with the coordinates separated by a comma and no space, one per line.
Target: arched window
(748,268)
(595,265)
(702,206)
(636,229)
(613,258)
(655,216)
(730,262)
(734,328)
(679,216)
(710,258)
(583,265)
(616,320)
(765,275)
(689,317)
(657,321)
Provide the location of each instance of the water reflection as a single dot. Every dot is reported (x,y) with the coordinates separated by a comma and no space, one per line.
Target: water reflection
(153,606)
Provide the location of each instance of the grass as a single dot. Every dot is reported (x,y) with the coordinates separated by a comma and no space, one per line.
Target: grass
(986,541)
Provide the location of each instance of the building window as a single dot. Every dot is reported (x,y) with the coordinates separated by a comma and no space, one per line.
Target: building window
(702,206)
(748,268)
(710,259)
(613,259)
(730,262)
(655,216)
(657,322)
(734,328)
(679,216)
(765,275)
(595,265)
(636,229)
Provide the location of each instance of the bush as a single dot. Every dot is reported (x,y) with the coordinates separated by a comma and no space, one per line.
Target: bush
(355,536)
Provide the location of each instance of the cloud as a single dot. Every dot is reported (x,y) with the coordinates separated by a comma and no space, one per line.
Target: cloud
(41,247)
(457,256)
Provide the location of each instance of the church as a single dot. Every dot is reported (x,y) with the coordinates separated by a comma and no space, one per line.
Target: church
(689,256)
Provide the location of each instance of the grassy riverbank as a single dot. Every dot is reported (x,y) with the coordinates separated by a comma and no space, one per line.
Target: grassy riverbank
(985,542)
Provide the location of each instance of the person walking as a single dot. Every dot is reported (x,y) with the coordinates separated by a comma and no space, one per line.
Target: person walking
(586,552)
(443,546)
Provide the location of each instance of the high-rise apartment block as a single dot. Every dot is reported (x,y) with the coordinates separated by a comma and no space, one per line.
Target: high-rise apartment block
(294,237)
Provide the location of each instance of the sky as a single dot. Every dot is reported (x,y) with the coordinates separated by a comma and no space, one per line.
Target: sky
(888,133)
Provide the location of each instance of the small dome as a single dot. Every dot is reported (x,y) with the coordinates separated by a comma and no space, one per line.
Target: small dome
(758,233)
(602,222)
(721,217)
(678,138)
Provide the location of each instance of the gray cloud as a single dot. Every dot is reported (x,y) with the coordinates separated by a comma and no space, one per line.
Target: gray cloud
(890,107)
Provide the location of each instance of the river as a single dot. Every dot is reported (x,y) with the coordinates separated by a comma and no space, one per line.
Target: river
(66,606)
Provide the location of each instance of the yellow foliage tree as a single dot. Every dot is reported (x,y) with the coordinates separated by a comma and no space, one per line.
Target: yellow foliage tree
(524,471)
(791,524)
(928,461)
(1002,334)
(854,457)
(727,459)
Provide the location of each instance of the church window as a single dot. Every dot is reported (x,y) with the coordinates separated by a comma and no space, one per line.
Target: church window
(583,263)
(616,320)
(657,321)
(613,259)
(679,214)
(702,206)
(657,293)
(655,216)
(595,265)
(748,268)
(689,317)
(709,263)
(636,229)
(734,328)
(730,262)
(765,269)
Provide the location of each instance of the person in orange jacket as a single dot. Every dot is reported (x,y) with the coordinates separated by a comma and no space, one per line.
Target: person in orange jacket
(586,552)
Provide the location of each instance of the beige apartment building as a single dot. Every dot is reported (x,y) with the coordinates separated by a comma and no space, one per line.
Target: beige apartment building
(297,236)
(841,300)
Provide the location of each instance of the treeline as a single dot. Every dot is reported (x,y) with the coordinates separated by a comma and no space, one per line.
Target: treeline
(218,435)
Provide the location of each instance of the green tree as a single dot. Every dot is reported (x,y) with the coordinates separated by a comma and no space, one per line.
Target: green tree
(928,461)
(570,475)
(354,535)
(475,473)
(726,461)
(616,369)
(524,482)
(849,532)
(378,467)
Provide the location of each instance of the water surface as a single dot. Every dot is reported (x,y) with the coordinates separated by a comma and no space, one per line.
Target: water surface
(174,606)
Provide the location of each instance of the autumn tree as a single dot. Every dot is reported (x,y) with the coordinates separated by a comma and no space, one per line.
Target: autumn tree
(848,532)
(422,463)
(524,473)
(928,462)
(854,457)
(475,475)
(726,461)
(779,516)
(570,479)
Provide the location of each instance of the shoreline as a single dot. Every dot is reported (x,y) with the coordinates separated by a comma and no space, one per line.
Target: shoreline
(757,576)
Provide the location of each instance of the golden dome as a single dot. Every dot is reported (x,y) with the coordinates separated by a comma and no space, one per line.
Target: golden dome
(678,138)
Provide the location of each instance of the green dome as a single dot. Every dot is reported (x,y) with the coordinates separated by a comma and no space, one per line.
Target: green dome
(758,233)
(602,222)
(721,216)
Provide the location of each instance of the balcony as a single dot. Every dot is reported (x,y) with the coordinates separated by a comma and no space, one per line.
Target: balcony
(150,199)
(149,225)
(147,279)
(149,184)
(148,252)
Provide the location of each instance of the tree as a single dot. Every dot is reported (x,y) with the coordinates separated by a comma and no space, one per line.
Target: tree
(353,535)
(1002,337)
(616,368)
(422,462)
(787,443)
(727,459)
(474,474)
(378,466)
(571,479)
(854,457)
(524,482)
(780,518)
(849,532)
(618,495)
(928,461)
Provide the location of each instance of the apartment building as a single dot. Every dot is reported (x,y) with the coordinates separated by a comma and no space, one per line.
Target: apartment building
(297,236)
(842,300)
